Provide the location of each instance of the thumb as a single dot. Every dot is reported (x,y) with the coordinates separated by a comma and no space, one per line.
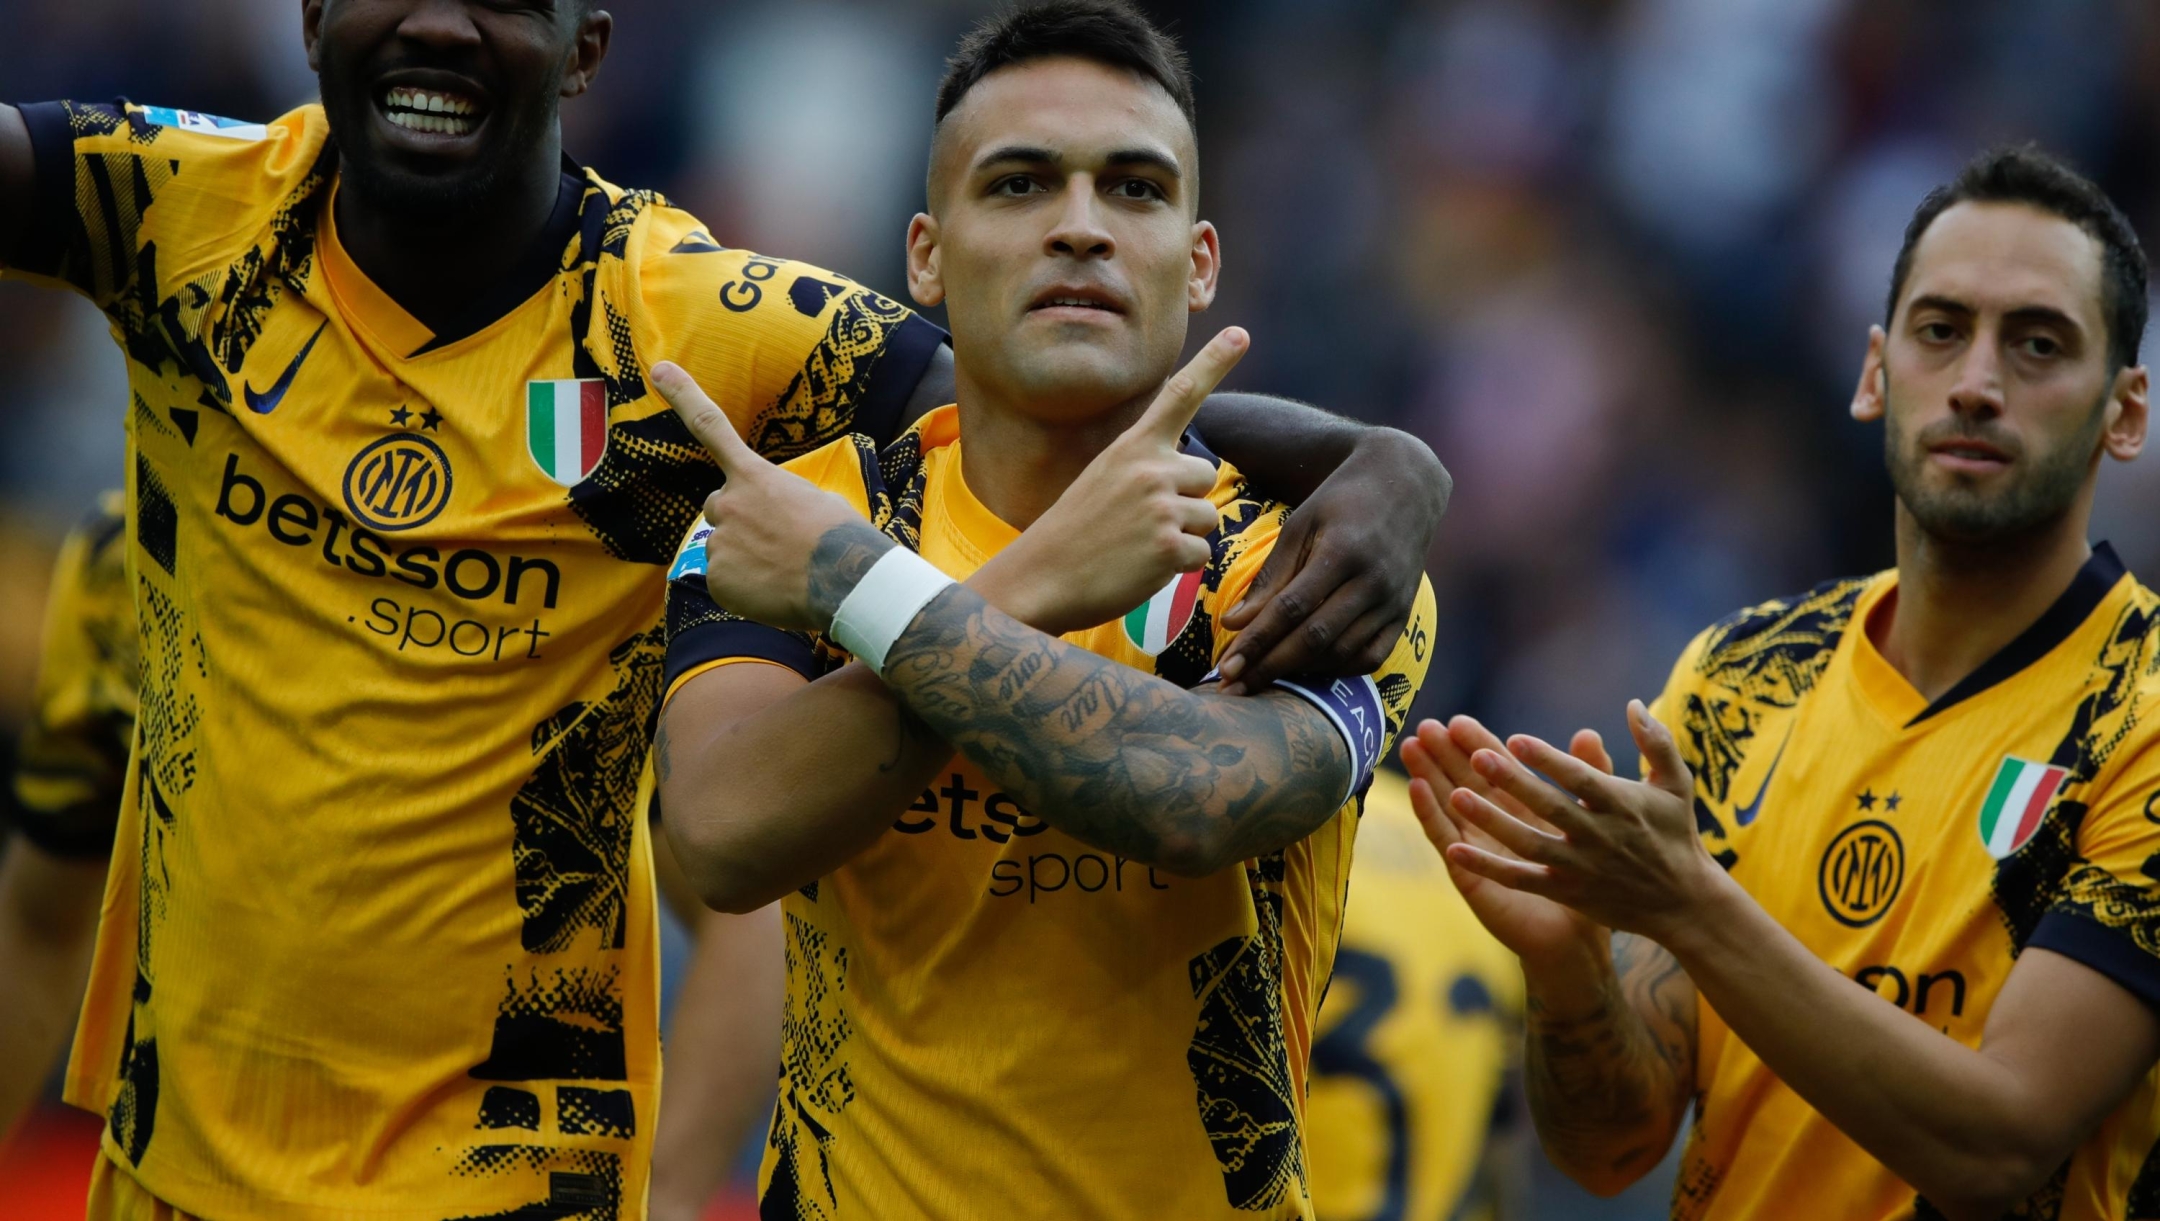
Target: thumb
(710,425)
(1166,418)
(1667,770)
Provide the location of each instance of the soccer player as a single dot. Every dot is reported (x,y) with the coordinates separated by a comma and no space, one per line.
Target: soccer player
(1415,1110)
(66,801)
(380,928)
(1911,965)
(1059,909)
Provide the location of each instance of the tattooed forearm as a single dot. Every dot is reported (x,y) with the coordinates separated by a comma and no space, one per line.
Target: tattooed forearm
(842,555)
(1116,758)
(1608,1087)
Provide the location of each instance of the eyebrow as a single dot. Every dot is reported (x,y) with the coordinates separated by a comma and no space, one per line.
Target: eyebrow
(1026,154)
(2023,313)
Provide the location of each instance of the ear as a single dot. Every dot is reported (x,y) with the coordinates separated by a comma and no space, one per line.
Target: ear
(1206,268)
(591,46)
(925,282)
(1868,400)
(2124,436)
(311,32)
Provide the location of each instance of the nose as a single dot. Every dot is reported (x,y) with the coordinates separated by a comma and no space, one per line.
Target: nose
(442,24)
(1978,389)
(1078,231)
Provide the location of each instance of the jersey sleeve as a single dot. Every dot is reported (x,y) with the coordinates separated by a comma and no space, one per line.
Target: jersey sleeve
(74,751)
(138,202)
(1368,710)
(1682,710)
(703,635)
(796,356)
(2106,914)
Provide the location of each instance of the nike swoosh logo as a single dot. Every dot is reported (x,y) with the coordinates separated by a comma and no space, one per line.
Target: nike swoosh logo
(264,404)
(1746,814)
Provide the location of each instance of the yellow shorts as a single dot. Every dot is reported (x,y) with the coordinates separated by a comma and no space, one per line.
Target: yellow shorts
(116,1196)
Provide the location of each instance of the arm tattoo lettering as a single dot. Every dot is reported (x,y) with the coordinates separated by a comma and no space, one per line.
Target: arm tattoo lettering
(1608,1089)
(1114,757)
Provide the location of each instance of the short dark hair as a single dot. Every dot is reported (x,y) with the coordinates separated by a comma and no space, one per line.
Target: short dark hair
(2023,174)
(1110,32)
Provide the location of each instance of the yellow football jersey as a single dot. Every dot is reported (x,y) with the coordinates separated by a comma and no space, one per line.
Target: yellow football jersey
(1417,1036)
(74,751)
(380,936)
(1918,848)
(989,1018)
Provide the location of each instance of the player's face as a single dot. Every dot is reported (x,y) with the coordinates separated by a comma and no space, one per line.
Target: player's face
(1064,241)
(1993,376)
(437,103)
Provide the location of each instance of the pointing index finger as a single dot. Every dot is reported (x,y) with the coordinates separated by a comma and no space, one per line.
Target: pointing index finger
(1167,417)
(710,425)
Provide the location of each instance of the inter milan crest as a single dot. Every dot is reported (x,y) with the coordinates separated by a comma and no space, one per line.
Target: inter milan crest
(2016,803)
(1155,623)
(566,427)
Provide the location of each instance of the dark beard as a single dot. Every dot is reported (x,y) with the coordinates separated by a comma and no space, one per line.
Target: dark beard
(451,200)
(2042,493)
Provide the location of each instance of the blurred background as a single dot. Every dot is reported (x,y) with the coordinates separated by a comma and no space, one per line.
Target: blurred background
(1615,260)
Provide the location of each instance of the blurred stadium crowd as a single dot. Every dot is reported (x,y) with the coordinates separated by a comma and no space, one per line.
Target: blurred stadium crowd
(1613,259)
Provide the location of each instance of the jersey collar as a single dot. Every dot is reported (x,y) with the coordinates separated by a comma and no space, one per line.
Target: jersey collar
(398,331)
(2102,571)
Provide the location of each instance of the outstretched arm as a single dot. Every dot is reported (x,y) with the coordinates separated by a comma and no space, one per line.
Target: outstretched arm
(1610,1035)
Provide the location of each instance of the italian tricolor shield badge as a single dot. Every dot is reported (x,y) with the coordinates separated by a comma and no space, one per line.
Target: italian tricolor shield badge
(2015,804)
(566,427)
(1153,624)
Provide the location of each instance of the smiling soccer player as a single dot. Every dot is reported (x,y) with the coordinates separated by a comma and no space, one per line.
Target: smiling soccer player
(380,930)
(1926,980)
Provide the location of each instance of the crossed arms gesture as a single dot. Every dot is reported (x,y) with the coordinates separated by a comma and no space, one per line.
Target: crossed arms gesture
(769,782)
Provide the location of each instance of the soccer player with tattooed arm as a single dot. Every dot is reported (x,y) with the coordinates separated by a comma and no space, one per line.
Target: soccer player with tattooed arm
(1061,898)
(1885,908)
(379,930)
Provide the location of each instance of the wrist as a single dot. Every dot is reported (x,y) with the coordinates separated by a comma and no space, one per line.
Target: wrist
(838,563)
(1570,982)
(1007,583)
(1712,908)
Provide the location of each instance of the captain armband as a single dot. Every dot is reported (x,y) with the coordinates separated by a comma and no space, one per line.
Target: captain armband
(1353,706)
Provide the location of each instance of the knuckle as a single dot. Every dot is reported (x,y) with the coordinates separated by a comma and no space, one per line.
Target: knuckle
(1317,633)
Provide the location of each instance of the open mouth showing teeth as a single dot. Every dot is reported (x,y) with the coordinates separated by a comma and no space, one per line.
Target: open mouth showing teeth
(426,110)
(1074,303)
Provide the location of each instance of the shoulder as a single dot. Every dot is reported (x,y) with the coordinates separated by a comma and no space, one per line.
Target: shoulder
(682,268)
(1774,651)
(1248,522)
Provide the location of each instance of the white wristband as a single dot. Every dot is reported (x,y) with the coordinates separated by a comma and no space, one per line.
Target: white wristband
(883,603)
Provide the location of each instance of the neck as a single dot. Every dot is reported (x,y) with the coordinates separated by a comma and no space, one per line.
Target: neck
(1957,604)
(1018,465)
(434,266)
